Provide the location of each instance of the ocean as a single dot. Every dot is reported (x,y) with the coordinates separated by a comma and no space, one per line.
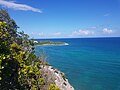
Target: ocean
(88,63)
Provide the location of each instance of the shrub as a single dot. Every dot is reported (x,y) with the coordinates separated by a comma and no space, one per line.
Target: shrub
(53,87)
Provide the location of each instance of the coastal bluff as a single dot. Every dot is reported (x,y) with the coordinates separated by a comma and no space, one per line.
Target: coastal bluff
(58,78)
(20,67)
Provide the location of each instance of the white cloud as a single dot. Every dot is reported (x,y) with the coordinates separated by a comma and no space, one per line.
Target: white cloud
(57,34)
(54,34)
(107,31)
(82,33)
(15,6)
(41,34)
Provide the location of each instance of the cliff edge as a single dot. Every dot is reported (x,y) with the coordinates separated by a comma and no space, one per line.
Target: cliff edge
(57,77)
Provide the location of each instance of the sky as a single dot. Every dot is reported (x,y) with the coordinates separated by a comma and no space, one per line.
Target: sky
(65,18)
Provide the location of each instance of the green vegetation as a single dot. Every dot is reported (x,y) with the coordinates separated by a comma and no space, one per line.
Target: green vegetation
(48,43)
(19,67)
(53,87)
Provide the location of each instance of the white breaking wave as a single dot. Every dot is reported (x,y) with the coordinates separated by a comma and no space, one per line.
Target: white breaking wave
(66,44)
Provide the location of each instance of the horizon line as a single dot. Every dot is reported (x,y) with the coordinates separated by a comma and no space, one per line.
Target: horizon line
(76,37)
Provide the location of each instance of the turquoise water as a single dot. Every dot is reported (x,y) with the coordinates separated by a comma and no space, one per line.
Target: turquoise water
(89,63)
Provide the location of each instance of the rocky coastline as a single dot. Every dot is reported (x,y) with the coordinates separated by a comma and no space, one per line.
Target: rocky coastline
(58,77)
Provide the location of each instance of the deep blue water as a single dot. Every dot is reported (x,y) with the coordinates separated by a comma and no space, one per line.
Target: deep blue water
(89,63)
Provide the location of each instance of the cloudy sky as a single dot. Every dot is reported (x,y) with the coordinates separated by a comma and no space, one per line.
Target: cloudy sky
(65,18)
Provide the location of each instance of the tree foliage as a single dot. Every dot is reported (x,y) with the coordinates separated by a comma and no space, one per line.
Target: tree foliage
(19,67)
(53,87)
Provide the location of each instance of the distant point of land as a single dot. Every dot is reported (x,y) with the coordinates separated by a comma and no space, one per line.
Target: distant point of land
(47,43)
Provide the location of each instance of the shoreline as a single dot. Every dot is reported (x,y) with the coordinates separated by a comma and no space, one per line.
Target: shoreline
(65,44)
(49,43)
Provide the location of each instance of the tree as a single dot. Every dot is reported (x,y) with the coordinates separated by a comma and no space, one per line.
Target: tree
(19,67)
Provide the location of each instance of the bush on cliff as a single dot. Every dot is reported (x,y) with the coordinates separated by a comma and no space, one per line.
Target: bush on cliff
(19,66)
